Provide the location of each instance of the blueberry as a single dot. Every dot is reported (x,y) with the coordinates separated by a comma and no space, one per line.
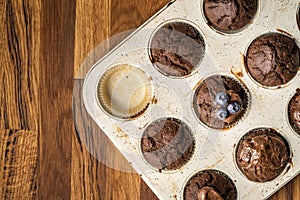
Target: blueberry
(222,113)
(234,107)
(222,98)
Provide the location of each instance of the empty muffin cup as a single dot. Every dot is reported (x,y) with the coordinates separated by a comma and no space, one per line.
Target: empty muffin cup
(176,48)
(294,112)
(220,101)
(262,154)
(124,91)
(273,59)
(167,144)
(229,16)
(210,184)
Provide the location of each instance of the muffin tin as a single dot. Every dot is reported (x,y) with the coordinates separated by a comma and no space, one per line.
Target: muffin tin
(173,98)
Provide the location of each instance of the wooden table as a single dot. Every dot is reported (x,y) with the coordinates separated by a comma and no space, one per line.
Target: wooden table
(42,45)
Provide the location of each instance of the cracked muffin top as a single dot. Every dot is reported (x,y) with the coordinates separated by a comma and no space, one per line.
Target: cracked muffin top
(176,49)
(273,59)
(167,144)
(229,15)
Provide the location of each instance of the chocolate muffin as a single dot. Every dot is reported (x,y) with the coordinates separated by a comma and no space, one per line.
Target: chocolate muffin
(273,59)
(167,144)
(229,15)
(176,49)
(220,101)
(262,154)
(210,185)
(294,111)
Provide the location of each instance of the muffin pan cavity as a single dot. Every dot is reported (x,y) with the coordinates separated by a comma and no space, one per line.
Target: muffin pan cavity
(124,91)
(273,59)
(181,98)
(176,48)
(262,154)
(210,184)
(229,16)
(220,101)
(294,111)
(167,144)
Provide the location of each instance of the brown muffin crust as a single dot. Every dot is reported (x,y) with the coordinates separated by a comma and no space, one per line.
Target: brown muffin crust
(273,59)
(167,144)
(229,15)
(176,49)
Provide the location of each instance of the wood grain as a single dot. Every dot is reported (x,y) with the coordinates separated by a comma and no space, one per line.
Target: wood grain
(19,50)
(19,99)
(92,28)
(18,164)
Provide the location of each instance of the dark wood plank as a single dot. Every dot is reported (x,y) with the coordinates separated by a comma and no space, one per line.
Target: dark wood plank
(146,192)
(55,89)
(127,15)
(19,50)
(296,188)
(284,193)
(18,164)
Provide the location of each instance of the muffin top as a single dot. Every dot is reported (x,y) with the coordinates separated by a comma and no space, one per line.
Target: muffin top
(167,144)
(273,59)
(229,15)
(176,49)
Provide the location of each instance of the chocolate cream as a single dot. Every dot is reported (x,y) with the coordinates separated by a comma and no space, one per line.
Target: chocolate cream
(262,155)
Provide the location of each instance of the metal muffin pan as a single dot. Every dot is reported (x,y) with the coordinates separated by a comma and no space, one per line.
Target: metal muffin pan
(173,97)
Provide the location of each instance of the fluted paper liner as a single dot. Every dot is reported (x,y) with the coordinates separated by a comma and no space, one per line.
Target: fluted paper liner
(124,91)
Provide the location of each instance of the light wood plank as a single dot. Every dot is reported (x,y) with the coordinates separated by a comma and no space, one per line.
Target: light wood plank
(18,164)
(92,28)
(19,50)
